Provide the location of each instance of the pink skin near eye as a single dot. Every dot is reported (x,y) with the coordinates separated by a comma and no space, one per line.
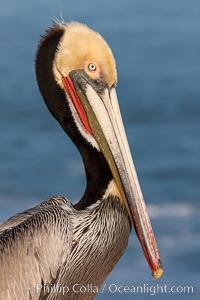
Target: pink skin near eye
(92,69)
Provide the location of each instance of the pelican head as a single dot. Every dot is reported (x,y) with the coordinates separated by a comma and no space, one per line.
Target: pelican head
(84,77)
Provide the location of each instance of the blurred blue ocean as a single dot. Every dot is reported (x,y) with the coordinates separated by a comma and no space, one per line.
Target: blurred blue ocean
(157,48)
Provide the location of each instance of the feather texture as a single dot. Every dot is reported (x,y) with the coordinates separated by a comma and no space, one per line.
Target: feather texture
(55,245)
(33,246)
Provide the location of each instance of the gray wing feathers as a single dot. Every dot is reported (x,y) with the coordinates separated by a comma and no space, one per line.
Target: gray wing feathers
(32,252)
(18,218)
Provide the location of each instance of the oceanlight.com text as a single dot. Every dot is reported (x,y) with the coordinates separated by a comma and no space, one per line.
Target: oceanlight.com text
(113,288)
(147,289)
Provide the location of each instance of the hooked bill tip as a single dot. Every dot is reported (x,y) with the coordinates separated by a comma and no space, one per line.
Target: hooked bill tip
(158,273)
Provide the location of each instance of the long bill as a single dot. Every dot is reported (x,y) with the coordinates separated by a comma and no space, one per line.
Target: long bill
(103,120)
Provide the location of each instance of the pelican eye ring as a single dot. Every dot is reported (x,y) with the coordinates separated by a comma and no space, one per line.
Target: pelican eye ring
(92,67)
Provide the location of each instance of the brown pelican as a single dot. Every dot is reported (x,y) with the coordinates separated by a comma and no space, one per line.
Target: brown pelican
(47,252)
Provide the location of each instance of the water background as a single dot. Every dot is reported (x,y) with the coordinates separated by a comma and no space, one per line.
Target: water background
(157,49)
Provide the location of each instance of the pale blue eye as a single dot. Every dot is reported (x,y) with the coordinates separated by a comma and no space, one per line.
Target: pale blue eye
(91,67)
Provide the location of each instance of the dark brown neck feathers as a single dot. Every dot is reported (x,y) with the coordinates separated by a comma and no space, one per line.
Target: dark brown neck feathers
(97,171)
